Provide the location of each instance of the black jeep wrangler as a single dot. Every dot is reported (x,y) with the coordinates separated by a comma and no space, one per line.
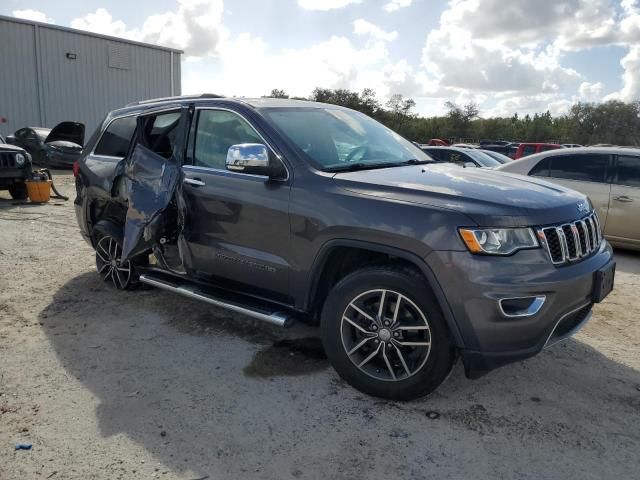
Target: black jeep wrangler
(283,209)
(15,168)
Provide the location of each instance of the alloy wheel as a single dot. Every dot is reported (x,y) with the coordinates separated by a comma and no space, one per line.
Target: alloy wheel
(385,335)
(108,255)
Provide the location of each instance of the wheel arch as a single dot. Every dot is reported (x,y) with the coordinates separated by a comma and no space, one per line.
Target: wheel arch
(322,263)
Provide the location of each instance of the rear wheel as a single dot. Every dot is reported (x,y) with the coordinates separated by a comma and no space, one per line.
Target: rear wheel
(384,334)
(18,191)
(108,263)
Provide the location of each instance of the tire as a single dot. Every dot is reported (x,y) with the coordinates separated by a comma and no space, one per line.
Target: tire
(391,360)
(108,252)
(18,191)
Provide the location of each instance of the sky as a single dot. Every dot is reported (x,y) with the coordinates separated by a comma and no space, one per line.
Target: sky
(507,56)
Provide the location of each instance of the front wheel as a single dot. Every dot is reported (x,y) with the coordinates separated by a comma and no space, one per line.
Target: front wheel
(385,335)
(18,191)
(108,263)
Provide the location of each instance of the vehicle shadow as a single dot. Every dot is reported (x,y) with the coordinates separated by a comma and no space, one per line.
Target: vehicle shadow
(210,393)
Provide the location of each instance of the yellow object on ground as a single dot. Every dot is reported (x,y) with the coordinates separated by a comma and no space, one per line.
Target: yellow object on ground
(39,191)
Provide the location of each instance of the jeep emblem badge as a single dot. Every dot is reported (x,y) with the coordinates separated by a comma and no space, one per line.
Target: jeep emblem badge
(583,207)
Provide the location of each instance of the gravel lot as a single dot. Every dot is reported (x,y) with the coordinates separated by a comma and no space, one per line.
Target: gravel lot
(146,384)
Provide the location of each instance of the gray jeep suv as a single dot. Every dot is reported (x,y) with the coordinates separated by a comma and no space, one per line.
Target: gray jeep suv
(287,210)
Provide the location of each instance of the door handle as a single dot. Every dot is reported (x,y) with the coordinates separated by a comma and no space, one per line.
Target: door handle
(196,182)
(623,199)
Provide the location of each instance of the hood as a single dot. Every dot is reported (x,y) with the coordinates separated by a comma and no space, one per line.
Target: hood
(488,197)
(68,147)
(7,147)
(68,132)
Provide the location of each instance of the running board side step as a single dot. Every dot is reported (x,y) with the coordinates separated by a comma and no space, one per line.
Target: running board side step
(187,290)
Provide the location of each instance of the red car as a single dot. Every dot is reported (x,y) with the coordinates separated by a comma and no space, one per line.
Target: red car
(526,149)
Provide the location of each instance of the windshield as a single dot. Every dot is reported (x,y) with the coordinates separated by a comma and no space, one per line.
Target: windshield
(482,158)
(334,138)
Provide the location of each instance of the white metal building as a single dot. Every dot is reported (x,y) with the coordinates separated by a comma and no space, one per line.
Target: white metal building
(50,74)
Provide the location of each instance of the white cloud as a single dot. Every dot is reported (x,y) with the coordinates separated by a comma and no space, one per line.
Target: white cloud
(590,92)
(325,4)
(35,15)
(362,27)
(630,78)
(394,5)
(195,27)
(102,22)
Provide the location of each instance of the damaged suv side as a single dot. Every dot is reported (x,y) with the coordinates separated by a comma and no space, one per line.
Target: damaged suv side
(285,210)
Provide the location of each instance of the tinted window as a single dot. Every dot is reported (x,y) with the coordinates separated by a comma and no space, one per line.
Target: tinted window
(116,138)
(434,153)
(542,168)
(528,150)
(451,156)
(160,133)
(586,168)
(628,171)
(216,131)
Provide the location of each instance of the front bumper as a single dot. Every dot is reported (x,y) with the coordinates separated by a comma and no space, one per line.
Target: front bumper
(473,286)
(13,175)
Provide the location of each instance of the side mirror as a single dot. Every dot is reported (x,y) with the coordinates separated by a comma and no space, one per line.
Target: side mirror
(469,164)
(250,158)
(10,139)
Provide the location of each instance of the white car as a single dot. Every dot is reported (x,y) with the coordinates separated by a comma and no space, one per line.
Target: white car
(609,176)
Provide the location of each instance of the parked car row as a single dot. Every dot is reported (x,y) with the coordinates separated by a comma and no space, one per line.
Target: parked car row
(58,147)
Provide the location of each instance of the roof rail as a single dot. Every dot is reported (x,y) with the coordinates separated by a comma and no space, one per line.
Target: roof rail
(177,97)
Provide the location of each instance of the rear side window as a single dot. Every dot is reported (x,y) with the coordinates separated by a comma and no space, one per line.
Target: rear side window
(528,150)
(584,167)
(542,168)
(116,138)
(628,171)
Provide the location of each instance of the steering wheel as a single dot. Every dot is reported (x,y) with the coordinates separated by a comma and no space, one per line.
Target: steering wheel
(352,153)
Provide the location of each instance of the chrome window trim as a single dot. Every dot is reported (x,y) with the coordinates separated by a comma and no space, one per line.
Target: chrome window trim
(197,168)
(267,144)
(93,151)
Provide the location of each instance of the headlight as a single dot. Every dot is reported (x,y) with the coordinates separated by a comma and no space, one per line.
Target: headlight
(498,241)
(20,159)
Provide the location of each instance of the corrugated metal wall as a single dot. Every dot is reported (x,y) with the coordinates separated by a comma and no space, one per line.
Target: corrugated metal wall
(105,74)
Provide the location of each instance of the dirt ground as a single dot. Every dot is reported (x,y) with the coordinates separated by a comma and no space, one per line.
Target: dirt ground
(146,384)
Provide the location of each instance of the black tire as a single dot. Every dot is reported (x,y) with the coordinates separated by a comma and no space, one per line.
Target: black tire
(121,276)
(18,191)
(413,371)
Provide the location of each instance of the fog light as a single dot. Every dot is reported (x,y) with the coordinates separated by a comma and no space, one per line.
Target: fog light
(521,306)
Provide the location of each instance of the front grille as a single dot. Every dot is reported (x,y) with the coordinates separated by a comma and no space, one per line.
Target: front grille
(572,241)
(7,160)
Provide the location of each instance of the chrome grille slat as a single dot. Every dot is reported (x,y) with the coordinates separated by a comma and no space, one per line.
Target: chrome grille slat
(572,241)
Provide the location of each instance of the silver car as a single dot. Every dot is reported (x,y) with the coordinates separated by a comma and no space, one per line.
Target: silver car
(609,176)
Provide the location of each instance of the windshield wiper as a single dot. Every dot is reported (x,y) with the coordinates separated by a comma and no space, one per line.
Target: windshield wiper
(415,161)
(352,167)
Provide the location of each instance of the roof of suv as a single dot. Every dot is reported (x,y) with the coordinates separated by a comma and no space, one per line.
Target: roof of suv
(208,98)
